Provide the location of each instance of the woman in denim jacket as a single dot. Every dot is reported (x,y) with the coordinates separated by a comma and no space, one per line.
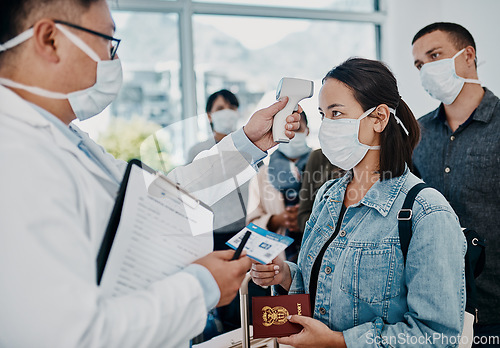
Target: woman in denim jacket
(350,261)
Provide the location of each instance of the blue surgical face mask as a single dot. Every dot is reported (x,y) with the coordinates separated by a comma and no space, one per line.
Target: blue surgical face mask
(441,81)
(85,103)
(295,147)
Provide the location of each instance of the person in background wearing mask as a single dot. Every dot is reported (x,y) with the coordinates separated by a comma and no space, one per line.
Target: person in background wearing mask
(274,193)
(350,262)
(222,112)
(58,62)
(459,151)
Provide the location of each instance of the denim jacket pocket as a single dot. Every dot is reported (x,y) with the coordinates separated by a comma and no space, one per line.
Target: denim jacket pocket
(370,275)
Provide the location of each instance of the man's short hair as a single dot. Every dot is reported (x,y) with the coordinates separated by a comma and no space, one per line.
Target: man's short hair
(460,36)
(228,96)
(18,15)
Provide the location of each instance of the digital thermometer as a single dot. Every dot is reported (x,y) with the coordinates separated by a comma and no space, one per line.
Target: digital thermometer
(295,90)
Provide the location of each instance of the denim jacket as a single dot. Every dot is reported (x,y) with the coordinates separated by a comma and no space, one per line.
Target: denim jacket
(364,290)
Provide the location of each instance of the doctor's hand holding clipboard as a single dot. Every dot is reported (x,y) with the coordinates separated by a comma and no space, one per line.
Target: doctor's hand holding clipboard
(157,229)
(164,228)
(228,278)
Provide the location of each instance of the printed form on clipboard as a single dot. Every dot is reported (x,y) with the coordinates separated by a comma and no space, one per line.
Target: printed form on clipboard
(156,229)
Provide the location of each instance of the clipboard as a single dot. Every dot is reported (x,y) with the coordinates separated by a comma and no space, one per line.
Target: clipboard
(115,218)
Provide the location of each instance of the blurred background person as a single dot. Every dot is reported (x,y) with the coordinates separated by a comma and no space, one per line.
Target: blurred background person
(222,112)
(274,193)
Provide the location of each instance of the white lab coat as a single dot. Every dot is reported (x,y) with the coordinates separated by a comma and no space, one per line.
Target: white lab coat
(54,206)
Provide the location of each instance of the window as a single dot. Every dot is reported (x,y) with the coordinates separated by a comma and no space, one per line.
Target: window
(249,56)
(150,60)
(176,53)
(339,5)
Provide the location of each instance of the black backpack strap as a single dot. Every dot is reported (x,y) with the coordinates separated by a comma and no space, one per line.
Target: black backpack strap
(474,257)
(474,264)
(404,218)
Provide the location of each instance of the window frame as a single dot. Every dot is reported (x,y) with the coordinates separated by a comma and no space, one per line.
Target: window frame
(185,9)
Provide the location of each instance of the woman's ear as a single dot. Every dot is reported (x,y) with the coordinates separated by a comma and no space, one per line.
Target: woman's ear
(381,115)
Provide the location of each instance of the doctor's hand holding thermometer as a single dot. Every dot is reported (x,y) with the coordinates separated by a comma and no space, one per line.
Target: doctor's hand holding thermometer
(227,268)
(259,128)
(296,90)
(277,123)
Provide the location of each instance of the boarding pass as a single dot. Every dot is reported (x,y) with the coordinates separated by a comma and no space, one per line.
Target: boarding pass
(263,245)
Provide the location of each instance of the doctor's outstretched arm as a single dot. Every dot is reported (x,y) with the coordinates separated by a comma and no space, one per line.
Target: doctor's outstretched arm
(233,161)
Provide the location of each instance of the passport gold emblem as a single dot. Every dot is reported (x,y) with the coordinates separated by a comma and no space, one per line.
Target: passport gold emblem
(274,316)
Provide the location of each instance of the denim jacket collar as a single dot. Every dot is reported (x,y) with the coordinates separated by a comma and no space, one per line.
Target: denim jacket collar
(380,196)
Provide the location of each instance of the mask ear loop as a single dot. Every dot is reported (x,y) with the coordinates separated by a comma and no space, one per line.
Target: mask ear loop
(19,39)
(358,123)
(398,121)
(79,43)
(458,53)
(462,78)
(32,89)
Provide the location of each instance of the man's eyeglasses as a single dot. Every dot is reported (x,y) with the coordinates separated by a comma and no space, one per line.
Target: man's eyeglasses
(114,42)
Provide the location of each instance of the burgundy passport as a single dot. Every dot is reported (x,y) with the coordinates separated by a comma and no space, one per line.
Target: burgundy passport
(270,314)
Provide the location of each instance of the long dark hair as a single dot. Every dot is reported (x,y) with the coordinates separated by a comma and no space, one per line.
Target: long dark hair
(373,84)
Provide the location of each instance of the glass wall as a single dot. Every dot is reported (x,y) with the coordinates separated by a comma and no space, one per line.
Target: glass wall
(339,5)
(150,57)
(176,53)
(249,56)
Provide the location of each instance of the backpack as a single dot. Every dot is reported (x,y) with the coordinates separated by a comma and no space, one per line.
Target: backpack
(474,257)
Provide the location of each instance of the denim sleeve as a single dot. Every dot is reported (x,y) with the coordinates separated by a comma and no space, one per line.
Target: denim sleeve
(435,280)
(251,152)
(297,286)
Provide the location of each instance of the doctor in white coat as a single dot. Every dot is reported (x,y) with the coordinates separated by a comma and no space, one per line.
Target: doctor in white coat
(57,190)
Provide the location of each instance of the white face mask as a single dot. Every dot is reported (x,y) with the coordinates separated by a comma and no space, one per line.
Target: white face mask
(85,103)
(295,147)
(339,140)
(225,121)
(441,81)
